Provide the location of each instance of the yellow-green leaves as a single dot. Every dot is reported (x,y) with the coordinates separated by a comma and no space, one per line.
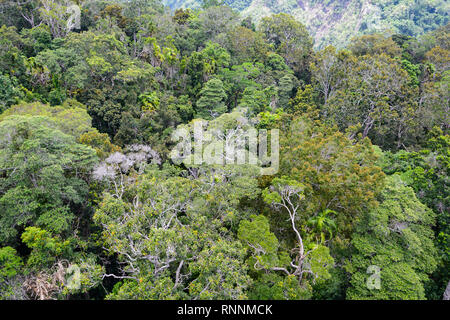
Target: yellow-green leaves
(262,243)
(397,238)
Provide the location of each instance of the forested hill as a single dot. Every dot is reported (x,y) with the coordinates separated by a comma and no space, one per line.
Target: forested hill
(337,21)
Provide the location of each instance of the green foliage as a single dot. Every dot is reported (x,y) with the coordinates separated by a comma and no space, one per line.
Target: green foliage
(186,232)
(220,266)
(45,248)
(98,200)
(274,287)
(71,118)
(11,266)
(10,263)
(9,93)
(387,112)
(396,237)
(256,234)
(337,173)
(42,174)
(211,103)
(323,224)
(290,39)
(337,22)
(320,262)
(427,173)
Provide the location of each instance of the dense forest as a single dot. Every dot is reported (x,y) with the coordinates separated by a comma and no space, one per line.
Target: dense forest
(94,206)
(335,22)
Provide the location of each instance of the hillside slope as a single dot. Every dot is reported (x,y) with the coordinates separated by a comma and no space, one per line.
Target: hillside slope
(337,21)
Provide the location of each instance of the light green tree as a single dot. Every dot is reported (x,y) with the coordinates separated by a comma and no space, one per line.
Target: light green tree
(397,239)
(211,103)
(44,173)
